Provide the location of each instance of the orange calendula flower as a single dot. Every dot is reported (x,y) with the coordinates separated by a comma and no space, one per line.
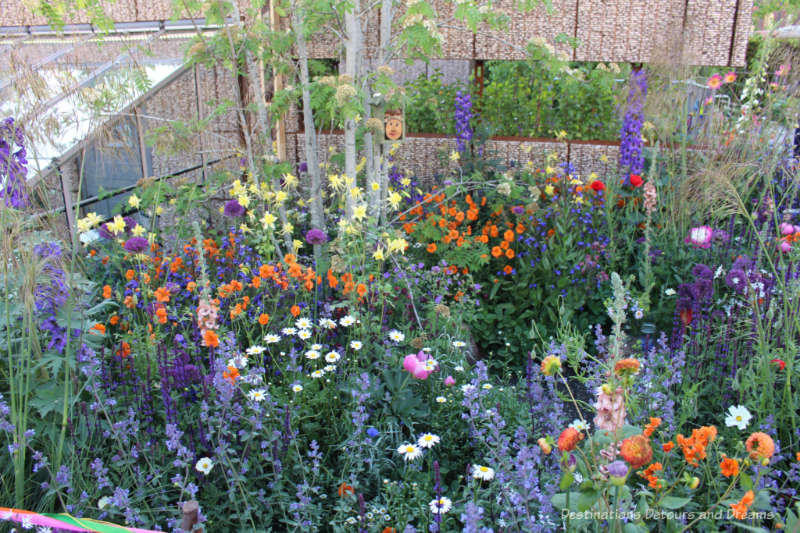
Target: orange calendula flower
(636,451)
(191,286)
(431,247)
(729,467)
(106,291)
(361,289)
(740,508)
(161,314)
(667,446)
(626,367)
(344,488)
(114,320)
(569,439)
(231,374)
(551,365)
(507,269)
(760,446)
(694,447)
(651,427)
(162,294)
(210,339)
(130,274)
(263,319)
(510,253)
(497,251)
(295,310)
(508,235)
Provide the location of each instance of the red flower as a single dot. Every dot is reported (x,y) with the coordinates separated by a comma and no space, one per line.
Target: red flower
(598,185)
(781,364)
(686,317)
(636,180)
(568,439)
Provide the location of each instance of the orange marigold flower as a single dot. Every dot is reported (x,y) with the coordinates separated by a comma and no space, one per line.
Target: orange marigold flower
(295,310)
(289,259)
(497,251)
(493,232)
(729,467)
(255,282)
(231,374)
(361,289)
(760,446)
(128,302)
(431,247)
(651,427)
(114,320)
(210,339)
(344,488)
(551,232)
(130,274)
(507,269)
(740,508)
(510,253)
(520,228)
(162,294)
(504,245)
(263,319)
(667,446)
(161,314)
(569,439)
(627,366)
(508,235)
(636,451)
(106,291)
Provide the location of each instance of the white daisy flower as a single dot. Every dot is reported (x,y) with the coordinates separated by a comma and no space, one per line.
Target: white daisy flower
(459,368)
(484,473)
(257,395)
(441,505)
(103,502)
(297,387)
(316,347)
(303,323)
(441,399)
(669,292)
(327,323)
(304,334)
(289,331)
(332,357)
(356,345)
(459,344)
(347,320)
(329,368)
(580,425)
(255,350)
(638,314)
(204,465)
(271,338)
(487,386)
(316,374)
(428,440)
(431,364)
(409,451)
(738,416)
(312,354)
(397,336)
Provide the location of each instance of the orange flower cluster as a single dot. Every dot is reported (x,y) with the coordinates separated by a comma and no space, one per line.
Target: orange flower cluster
(729,467)
(740,508)
(694,447)
(296,271)
(231,374)
(649,474)
(651,427)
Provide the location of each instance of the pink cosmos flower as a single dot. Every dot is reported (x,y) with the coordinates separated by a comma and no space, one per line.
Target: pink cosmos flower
(449,381)
(730,77)
(700,237)
(714,82)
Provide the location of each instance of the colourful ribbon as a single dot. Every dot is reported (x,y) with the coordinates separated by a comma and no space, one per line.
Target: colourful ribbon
(67,522)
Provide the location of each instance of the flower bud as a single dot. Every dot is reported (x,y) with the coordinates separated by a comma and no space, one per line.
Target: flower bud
(694,483)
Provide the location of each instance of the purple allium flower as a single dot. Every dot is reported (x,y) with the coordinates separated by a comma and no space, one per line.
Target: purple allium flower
(233,208)
(316,236)
(136,244)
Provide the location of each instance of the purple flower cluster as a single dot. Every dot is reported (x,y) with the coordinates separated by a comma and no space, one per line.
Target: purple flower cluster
(13,165)
(631,160)
(463,117)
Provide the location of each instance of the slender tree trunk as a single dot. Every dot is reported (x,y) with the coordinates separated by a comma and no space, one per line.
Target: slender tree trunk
(353,51)
(310,136)
(384,55)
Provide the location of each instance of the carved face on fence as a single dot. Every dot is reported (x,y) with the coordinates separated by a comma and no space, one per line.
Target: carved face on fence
(393,124)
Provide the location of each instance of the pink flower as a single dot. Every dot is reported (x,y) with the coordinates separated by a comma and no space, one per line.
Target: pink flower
(786,229)
(610,410)
(783,69)
(784,246)
(414,365)
(449,381)
(714,82)
(700,236)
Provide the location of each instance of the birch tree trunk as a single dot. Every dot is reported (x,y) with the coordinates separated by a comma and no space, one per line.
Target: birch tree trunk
(384,55)
(352,56)
(310,136)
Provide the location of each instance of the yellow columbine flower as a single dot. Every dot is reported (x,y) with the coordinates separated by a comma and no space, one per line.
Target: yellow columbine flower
(335,181)
(268,220)
(549,170)
(356,192)
(281,197)
(549,190)
(117,225)
(397,245)
(245,228)
(361,164)
(172,201)
(378,255)
(159,210)
(604,158)
(138,230)
(237,188)
(290,179)
(454,156)
(134,201)
(243,200)
(287,228)
(375,186)
(593,175)
(561,134)
(297,244)
(83,225)
(579,200)
(253,188)
(405,182)
(360,212)
(395,199)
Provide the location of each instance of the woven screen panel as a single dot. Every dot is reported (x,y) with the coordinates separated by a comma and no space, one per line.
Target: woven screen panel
(510,43)
(457,39)
(742,34)
(602,159)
